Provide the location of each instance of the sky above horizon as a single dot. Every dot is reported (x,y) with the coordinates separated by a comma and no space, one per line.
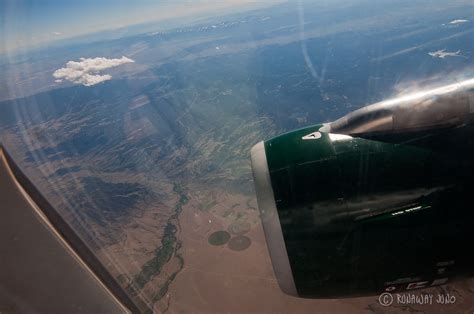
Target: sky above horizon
(29,23)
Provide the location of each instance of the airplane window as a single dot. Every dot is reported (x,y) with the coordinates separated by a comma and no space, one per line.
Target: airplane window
(136,120)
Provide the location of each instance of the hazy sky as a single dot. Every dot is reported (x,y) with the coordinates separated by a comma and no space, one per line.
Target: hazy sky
(25,23)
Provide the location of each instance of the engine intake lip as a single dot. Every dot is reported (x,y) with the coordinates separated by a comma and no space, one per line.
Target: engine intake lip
(271,221)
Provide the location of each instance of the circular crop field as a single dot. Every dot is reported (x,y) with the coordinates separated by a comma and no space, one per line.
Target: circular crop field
(239,228)
(219,238)
(239,243)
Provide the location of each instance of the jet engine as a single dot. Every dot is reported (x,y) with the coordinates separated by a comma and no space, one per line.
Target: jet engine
(378,200)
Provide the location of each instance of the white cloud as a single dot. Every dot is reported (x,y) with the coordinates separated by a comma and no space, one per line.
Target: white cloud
(458,21)
(57,33)
(443,54)
(86,71)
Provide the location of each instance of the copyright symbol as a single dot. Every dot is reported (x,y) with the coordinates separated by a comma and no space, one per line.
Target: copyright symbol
(386,299)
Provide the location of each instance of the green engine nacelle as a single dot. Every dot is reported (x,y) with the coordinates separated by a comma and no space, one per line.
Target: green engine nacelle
(376,201)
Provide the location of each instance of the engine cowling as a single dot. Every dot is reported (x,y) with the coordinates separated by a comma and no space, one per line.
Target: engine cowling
(359,213)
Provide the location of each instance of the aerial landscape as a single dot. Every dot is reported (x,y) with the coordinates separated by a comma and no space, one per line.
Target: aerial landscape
(142,141)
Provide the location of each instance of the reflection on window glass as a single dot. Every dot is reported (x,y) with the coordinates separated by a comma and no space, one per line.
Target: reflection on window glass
(136,119)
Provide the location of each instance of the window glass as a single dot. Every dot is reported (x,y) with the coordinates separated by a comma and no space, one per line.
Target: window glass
(136,120)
